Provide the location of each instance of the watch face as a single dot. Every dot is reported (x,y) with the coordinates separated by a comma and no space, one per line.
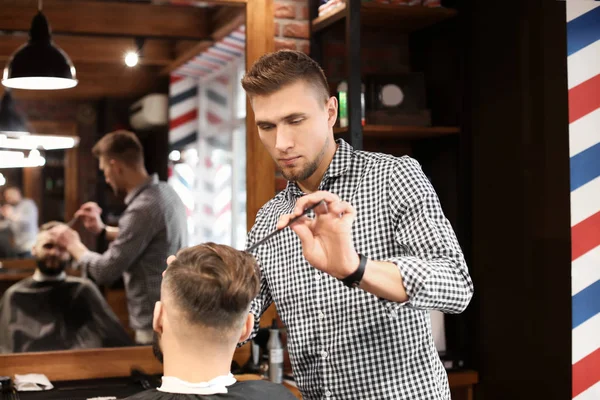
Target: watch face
(355,284)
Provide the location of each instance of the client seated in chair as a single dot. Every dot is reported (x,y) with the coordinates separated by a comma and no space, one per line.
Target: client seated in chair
(202,315)
(53,311)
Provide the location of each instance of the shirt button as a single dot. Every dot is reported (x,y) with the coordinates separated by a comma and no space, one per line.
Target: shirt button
(394,313)
(321,315)
(323,354)
(328,393)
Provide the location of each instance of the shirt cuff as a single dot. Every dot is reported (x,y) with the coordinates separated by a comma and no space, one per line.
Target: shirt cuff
(414,274)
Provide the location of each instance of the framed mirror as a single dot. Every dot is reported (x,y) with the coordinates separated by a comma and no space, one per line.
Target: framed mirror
(175,36)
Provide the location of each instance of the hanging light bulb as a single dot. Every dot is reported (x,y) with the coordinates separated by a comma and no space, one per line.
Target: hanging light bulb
(39,64)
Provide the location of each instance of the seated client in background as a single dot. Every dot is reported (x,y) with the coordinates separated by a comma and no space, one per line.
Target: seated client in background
(53,311)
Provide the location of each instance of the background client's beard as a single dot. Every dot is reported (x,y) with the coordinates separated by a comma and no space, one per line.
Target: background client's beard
(156,348)
(44,269)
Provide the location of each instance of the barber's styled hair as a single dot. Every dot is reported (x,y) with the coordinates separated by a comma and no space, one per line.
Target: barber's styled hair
(213,284)
(121,145)
(273,71)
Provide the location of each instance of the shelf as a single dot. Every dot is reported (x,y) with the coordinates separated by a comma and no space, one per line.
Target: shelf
(402,18)
(403,132)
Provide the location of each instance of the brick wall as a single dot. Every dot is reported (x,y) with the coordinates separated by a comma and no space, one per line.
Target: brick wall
(291,25)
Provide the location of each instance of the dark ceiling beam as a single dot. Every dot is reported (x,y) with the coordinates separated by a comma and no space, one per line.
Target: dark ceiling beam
(108,18)
(96,49)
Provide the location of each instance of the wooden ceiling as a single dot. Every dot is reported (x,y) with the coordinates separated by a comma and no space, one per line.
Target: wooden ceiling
(97,34)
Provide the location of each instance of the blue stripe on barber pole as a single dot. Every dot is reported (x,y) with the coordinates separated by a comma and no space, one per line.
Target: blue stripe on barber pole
(583,63)
(183,103)
(585,167)
(583,31)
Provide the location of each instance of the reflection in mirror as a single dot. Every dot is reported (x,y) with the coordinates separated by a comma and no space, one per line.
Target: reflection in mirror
(183,100)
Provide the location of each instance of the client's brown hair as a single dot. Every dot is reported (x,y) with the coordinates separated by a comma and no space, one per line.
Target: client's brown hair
(213,284)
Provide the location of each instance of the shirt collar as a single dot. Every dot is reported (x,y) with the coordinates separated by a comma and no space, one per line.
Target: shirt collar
(152,180)
(171,384)
(38,276)
(341,162)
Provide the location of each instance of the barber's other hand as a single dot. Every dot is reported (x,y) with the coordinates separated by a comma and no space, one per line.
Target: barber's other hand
(89,213)
(65,237)
(170,259)
(326,238)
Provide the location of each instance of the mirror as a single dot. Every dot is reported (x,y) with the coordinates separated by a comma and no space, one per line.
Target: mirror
(33,196)
(192,56)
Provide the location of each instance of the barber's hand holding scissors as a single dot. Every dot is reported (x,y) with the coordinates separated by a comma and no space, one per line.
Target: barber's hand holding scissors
(90,213)
(326,238)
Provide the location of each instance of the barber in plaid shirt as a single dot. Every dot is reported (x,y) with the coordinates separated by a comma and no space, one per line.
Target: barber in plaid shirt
(353,282)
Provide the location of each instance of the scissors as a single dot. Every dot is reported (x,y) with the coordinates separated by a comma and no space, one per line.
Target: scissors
(72,222)
(275,232)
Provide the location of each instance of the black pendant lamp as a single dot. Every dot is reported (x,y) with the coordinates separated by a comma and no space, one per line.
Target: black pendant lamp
(11,122)
(39,64)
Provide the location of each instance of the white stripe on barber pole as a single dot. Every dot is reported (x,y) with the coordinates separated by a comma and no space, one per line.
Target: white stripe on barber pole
(586,271)
(584,64)
(584,202)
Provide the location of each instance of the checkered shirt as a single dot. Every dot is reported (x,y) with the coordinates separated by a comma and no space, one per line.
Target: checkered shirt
(152,228)
(345,343)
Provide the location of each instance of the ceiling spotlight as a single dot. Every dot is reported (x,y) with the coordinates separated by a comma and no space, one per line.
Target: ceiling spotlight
(133,57)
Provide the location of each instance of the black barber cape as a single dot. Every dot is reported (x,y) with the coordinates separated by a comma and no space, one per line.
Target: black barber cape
(57,315)
(246,390)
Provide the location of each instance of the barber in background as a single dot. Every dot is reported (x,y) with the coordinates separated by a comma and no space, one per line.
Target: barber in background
(152,227)
(21,217)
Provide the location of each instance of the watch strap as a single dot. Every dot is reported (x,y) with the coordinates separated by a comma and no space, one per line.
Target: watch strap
(353,280)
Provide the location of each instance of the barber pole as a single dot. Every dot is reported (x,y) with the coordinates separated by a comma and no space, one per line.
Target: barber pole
(183,111)
(583,43)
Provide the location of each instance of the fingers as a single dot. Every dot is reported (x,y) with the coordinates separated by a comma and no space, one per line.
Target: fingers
(302,228)
(343,209)
(284,220)
(91,207)
(313,198)
(170,260)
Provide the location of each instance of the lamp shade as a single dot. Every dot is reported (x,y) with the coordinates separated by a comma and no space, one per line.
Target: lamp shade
(39,64)
(10,120)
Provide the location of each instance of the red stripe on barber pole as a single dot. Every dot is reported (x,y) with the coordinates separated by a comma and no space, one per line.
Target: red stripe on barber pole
(184,118)
(213,118)
(584,98)
(585,236)
(586,373)
(222,79)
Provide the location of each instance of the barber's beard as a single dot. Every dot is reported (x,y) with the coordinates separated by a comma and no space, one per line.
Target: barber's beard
(309,169)
(58,266)
(156,348)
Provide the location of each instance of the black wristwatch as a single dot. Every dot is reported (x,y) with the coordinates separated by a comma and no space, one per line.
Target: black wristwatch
(353,280)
